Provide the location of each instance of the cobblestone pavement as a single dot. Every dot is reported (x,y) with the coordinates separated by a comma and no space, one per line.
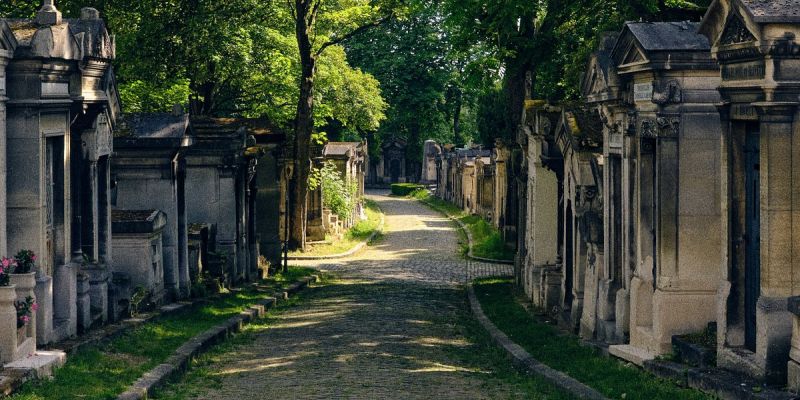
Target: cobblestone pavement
(386,328)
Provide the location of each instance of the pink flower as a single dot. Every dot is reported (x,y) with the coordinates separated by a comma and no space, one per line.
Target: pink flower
(6,263)
(35,306)
(26,318)
(33,257)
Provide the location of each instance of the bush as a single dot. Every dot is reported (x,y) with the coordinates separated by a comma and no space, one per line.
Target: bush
(405,189)
(337,195)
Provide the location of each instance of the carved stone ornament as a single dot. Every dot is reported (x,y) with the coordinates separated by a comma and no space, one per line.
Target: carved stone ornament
(736,32)
(786,46)
(648,128)
(669,94)
(632,123)
(544,126)
(589,211)
(668,126)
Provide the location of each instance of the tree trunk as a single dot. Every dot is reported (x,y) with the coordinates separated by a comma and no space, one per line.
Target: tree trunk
(303,128)
(457,119)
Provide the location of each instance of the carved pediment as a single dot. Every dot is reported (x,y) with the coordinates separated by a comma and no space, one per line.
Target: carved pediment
(634,56)
(736,31)
(8,41)
(627,51)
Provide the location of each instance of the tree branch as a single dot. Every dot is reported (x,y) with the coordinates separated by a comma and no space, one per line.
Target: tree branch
(361,29)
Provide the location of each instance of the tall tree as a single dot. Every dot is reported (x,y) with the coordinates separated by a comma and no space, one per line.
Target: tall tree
(320,24)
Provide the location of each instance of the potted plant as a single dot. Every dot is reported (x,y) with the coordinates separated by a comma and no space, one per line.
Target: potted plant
(25,262)
(25,309)
(6,266)
(23,273)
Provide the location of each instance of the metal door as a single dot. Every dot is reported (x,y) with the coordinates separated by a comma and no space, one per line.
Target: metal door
(752,273)
(49,206)
(394,170)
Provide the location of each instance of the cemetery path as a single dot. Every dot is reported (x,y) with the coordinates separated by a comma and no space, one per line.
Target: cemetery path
(388,326)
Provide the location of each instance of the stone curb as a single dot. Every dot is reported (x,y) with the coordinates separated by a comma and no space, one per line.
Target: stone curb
(348,253)
(469,239)
(523,359)
(179,362)
(717,382)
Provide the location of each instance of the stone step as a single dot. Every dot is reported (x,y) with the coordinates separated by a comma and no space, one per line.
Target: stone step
(630,353)
(41,364)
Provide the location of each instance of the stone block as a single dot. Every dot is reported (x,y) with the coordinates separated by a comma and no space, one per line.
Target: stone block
(98,291)
(44,316)
(793,376)
(84,303)
(65,301)
(630,353)
(774,333)
(42,364)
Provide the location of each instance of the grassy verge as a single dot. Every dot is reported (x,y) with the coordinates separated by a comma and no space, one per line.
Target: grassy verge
(105,371)
(357,234)
(614,378)
(487,241)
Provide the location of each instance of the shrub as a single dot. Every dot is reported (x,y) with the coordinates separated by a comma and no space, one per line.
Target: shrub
(405,189)
(337,195)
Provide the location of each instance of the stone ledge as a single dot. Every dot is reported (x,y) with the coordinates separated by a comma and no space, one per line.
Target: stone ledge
(177,364)
(631,353)
(523,359)
(40,365)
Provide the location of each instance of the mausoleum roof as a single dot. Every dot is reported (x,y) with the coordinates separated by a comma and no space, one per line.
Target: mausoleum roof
(773,10)
(154,125)
(665,36)
(340,148)
(137,221)
(71,39)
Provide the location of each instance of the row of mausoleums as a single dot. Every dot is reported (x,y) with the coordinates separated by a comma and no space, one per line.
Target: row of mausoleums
(666,203)
(118,208)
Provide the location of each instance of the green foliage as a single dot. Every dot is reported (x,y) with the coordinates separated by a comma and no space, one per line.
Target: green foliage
(105,371)
(405,189)
(338,194)
(227,58)
(137,298)
(360,232)
(429,85)
(144,97)
(490,118)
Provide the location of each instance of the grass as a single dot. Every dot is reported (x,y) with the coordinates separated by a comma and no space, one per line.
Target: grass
(355,235)
(614,378)
(487,241)
(485,353)
(201,376)
(405,189)
(103,372)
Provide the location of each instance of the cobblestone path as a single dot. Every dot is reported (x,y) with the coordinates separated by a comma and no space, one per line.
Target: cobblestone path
(387,328)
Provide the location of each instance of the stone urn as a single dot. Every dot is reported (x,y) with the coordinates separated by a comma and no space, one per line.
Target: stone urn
(8,324)
(25,284)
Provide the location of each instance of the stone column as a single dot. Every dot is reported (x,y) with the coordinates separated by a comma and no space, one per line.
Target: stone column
(793,366)
(5,56)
